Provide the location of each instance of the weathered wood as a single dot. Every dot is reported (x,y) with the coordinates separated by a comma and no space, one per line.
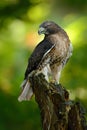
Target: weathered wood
(58,112)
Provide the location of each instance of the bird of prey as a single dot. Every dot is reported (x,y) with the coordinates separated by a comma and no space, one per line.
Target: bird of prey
(49,56)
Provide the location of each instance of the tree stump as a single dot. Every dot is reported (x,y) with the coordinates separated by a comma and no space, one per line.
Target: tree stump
(58,112)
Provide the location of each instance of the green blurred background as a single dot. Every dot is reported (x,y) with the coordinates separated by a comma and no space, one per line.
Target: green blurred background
(19,21)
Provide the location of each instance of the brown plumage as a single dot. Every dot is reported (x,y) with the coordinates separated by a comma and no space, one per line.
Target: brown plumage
(49,56)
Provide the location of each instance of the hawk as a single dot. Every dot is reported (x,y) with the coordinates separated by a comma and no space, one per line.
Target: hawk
(49,56)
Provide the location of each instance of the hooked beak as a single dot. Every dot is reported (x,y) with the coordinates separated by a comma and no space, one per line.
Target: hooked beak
(41,31)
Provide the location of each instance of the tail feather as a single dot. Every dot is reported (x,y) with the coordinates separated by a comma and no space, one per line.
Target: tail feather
(27,91)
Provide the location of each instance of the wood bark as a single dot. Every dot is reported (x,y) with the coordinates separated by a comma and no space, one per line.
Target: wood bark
(58,112)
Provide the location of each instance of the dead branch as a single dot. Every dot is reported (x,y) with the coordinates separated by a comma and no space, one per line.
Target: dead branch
(58,112)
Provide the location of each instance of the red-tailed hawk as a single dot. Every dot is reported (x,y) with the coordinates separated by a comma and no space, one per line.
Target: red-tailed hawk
(49,56)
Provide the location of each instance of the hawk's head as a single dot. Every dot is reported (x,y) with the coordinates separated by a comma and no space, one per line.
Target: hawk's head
(48,27)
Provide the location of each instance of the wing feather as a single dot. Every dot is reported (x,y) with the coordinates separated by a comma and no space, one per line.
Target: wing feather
(36,57)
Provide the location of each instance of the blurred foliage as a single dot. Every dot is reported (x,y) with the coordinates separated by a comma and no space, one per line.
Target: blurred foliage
(73,5)
(19,21)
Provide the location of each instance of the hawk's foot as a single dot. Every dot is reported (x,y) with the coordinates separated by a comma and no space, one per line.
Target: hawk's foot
(54,82)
